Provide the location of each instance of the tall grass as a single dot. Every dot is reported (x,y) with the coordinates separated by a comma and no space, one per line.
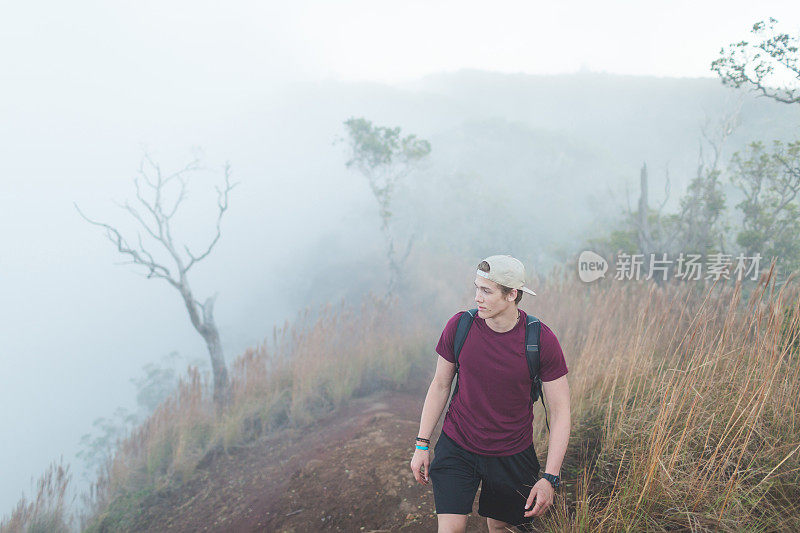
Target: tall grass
(310,368)
(685,406)
(685,401)
(48,512)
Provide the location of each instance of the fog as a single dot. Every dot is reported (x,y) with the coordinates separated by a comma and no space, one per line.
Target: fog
(541,113)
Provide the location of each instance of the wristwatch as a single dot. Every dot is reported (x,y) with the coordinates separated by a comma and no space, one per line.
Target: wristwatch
(554,480)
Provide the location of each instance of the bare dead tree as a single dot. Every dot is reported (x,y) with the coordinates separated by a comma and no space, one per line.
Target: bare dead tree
(646,221)
(642,219)
(155,219)
(716,132)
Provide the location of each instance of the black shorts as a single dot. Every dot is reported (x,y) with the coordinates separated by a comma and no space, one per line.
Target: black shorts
(506,481)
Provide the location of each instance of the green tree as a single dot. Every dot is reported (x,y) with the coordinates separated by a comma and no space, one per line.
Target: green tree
(700,220)
(770,182)
(700,214)
(382,156)
(770,66)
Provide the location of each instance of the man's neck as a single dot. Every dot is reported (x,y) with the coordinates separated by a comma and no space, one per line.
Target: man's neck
(505,321)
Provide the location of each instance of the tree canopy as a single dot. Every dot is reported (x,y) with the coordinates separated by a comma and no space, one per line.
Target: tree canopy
(770,65)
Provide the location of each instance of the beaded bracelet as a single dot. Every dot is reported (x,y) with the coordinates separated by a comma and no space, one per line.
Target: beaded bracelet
(423,440)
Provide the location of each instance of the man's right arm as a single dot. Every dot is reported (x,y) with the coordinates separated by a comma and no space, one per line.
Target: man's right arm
(435,401)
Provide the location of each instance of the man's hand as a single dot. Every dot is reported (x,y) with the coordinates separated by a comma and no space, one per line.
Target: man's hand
(419,466)
(542,493)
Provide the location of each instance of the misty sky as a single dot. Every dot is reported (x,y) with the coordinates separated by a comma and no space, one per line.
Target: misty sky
(85,85)
(154,49)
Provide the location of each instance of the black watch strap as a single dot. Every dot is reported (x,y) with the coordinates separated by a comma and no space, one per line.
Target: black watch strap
(554,480)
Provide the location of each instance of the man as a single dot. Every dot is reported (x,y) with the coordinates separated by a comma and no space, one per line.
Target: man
(487,434)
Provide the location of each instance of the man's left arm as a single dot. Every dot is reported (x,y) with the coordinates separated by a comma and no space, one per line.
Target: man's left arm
(556,394)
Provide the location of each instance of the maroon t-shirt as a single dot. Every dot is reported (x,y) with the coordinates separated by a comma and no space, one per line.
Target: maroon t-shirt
(492,414)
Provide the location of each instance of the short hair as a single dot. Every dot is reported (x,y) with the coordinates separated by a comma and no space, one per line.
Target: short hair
(484,266)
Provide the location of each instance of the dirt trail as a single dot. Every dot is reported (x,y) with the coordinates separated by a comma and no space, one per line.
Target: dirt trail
(348,472)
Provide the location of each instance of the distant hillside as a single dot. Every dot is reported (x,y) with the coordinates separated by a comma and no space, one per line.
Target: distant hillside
(534,164)
(629,116)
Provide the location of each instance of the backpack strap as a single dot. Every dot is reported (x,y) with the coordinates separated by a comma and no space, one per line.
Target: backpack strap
(464,323)
(533,328)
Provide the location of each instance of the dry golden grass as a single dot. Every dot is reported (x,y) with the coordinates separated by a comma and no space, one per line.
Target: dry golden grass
(48,512)
(684,404)
(685,400)
(310,368)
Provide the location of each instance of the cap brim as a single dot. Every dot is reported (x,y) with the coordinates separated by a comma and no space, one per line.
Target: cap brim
(526,289)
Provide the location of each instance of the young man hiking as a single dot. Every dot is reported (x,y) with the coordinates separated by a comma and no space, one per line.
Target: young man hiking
(487,433)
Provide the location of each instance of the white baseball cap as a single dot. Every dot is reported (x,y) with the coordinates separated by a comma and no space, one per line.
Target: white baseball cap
(507,271)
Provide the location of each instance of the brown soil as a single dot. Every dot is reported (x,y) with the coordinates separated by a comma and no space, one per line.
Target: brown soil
(348,472)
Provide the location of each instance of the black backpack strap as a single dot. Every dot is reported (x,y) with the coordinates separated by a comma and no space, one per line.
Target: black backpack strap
(533,328)
(464,323)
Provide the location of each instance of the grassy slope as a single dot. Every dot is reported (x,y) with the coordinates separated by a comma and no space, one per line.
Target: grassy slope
(685,405)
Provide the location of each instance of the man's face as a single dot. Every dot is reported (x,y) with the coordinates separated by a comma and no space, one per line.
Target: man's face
(490,299)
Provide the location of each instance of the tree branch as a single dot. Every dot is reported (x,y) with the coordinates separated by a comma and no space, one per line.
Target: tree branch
(222,204)
(155,269)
